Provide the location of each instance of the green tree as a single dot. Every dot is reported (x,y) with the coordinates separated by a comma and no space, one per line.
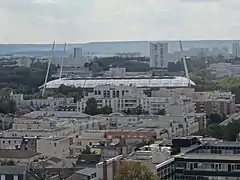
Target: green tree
(231,131)
(91,107)
(213,130)
(161,112)
(88,151)
(7,106)
(8,163)
(215,118)
(106,110)
(139,110)
(70,91)
(132,170)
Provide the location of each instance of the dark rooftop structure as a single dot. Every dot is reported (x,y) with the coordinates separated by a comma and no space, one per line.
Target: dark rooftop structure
(88,160)
(55,159)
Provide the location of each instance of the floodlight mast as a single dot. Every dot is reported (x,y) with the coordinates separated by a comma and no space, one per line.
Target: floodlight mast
(182,57)
(64,51)
(48,69)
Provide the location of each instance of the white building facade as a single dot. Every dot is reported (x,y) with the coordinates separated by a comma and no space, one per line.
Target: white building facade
(159,55)
(236,50)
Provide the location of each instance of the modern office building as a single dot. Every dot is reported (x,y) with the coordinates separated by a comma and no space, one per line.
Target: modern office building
(190,159)
(159,55)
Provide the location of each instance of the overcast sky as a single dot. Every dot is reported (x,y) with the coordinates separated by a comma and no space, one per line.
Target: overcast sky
(42,21)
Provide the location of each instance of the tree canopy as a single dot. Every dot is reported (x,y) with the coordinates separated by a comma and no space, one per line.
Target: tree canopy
(7,106)
(23,79)
(133,64)
(135,171)
(92,108)
(70,91)
(228,132)
(216,118)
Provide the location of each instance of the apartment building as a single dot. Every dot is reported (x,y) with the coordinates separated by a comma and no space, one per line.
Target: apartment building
(236,50)
(50,101)
(225,69)
(59,147)
(117,120)
(122,98)
(215,102)
(159,55)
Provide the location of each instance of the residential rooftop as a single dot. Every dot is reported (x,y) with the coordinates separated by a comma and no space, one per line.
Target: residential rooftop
(17,154)
(58,114)
(13,169)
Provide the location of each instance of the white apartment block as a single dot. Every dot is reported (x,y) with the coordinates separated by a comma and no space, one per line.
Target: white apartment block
(176,93)
(159,55)
(10,142)
(236,50)
(118,97)
(122,98)
(50,101)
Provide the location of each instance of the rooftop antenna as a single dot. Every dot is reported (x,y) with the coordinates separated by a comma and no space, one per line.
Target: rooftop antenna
(184,63)
(48,68)
(64,51)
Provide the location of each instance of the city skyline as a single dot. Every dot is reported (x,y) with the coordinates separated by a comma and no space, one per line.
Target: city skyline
(41,21)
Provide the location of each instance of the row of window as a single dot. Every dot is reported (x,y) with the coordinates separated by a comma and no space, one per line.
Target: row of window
(214,166)
(107,93)
(9,142)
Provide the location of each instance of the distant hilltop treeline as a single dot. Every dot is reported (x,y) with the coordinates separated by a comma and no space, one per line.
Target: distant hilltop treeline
(108,47)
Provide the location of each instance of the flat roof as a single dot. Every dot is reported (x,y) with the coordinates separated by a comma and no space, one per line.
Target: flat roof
(13,169)
(17,154)
(201,156)
(177,81)
(58,114)
(223,143)
(87,171)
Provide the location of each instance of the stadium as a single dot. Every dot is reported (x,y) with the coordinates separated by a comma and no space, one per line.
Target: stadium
(141,82)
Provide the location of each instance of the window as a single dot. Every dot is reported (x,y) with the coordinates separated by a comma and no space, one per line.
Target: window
(3,142)
(195,165)
(55,144)
(9,142)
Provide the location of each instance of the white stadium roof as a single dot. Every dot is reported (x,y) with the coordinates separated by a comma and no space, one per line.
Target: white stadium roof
(138,82)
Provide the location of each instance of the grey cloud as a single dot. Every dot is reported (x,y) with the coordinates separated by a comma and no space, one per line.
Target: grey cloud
(85,20)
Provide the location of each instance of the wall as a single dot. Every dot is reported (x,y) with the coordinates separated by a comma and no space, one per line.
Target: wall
(56,148)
